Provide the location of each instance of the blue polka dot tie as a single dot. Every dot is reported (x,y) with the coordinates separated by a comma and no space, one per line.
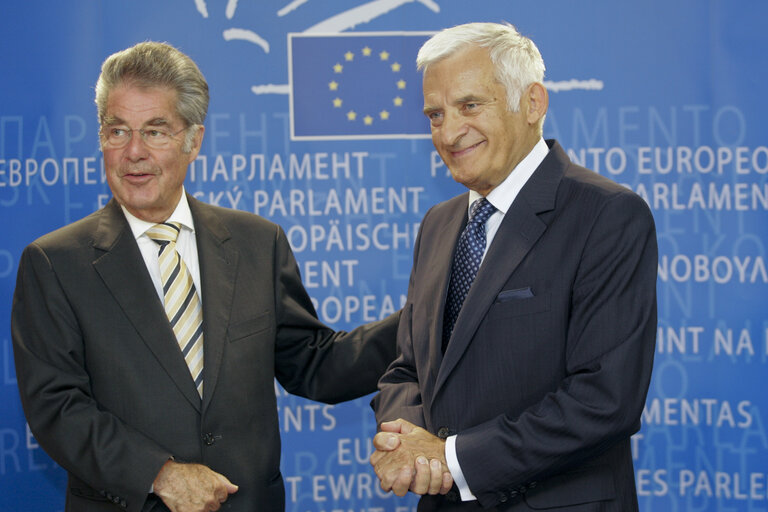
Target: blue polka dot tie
(466,262)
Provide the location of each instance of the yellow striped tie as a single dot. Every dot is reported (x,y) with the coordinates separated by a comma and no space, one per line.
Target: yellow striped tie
(182,304)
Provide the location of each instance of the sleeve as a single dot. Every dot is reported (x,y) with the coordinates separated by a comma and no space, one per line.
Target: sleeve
(86,440)
(452,461)
(313,361)
(610,345)
(399,393)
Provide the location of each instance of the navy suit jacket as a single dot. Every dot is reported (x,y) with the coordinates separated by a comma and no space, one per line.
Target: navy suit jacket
(547,370)
(106,390)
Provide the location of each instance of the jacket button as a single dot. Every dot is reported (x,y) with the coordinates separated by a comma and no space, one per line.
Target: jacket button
(209,439)
(443,432)
(503,497)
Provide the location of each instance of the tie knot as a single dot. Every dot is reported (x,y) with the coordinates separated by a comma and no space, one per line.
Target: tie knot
(480,211)
(164,233)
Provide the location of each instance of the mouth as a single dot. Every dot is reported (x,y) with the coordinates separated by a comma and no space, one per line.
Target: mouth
(138,176)
(465,151)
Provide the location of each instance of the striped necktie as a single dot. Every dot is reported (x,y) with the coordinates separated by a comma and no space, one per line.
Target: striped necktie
(182,304)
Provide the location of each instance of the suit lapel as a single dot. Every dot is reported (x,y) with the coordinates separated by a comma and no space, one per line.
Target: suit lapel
(122,269)
(440,262)
(218,270)
(517,235)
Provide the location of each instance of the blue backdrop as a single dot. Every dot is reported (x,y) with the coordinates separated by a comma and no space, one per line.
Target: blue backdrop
(664,97)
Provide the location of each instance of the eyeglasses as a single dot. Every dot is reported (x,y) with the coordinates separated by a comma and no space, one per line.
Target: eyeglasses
(118,136)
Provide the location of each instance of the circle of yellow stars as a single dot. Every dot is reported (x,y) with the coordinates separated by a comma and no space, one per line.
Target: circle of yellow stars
(367,118)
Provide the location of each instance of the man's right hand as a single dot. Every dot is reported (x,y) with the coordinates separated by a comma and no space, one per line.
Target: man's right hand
(410,458)
(192,487)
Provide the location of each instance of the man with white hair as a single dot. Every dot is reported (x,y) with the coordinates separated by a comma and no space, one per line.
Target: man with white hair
(526,343)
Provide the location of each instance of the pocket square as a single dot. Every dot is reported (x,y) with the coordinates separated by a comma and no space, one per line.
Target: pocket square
(517,293)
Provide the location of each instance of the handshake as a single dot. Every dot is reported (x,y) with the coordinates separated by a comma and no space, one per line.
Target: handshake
(408,458)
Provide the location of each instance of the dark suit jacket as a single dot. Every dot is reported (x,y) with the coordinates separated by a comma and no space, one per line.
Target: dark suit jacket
(547,369)
(106,391)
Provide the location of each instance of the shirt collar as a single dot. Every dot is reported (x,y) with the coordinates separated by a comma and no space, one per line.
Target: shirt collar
(502,196)
(182,214)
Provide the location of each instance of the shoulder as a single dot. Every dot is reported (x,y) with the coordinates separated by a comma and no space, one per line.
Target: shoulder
(566,191)
(448,208)
(236,222)
(72,247)
(77,234)
(589,190)
(586,190)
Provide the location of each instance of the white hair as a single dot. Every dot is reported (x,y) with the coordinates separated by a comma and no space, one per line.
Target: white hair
(515,57)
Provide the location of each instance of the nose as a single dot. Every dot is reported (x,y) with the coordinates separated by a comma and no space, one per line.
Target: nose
(136,149)
(452,129)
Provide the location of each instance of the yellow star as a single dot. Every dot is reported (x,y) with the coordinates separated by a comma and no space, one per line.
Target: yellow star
(368,120)
(398,101)
(384,55)
(366,52)
(349,56)
(333,85)
(396,67)
(337,68)
(351,115)
(384,115)
(401,84)
(337,102)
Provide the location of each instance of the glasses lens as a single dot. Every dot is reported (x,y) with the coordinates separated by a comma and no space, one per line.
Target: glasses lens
(115,137)
(155,138)
(152,137)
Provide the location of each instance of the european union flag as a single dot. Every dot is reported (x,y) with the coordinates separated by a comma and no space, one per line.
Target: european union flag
(356,86)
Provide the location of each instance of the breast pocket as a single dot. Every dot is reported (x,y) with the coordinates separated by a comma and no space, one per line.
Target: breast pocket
(259,325)
(517,304)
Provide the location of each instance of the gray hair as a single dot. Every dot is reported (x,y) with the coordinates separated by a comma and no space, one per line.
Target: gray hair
(152,64)
(517,61)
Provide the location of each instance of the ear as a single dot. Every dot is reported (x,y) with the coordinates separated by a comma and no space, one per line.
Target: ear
(537,102)
(197,142)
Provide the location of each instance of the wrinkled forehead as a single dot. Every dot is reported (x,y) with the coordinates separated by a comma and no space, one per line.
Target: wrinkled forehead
(460,74)
(141,105)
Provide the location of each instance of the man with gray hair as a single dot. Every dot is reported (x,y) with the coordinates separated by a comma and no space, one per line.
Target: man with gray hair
(526,343)
(148,335)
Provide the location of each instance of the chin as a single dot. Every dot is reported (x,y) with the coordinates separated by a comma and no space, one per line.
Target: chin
(464,178)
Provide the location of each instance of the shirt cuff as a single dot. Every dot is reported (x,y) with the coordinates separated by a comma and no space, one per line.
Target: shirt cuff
(453,466)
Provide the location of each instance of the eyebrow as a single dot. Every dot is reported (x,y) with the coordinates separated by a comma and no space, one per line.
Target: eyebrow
(469,98)
(156,121)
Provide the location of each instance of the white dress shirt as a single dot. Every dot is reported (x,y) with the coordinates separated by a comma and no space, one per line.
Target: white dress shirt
(186,245)
(501,197)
